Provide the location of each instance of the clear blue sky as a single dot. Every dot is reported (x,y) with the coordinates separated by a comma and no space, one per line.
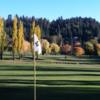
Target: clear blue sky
(51,9)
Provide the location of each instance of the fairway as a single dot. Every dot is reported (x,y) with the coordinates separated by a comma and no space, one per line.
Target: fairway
(55,81)
(68,81)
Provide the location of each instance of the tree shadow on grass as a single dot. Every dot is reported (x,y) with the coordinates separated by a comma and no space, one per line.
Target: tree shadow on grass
(15,67)
(16,93)
(68,82)
(16,89)
(39,68)
(47,93)
(54,93)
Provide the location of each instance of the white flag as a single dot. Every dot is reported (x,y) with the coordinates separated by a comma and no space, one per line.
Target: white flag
(37,45)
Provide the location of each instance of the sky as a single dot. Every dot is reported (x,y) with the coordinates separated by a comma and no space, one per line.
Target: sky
(51,9)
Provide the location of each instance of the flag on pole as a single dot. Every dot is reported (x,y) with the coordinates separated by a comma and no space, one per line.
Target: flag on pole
(37,48)
(37,45)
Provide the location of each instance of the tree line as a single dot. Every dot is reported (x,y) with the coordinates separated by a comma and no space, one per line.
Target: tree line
(63,32)
(17,39)
(82,28)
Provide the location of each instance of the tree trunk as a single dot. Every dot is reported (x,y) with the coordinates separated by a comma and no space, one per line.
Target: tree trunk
(1,55)
(37,56)
(13,55)
(19,56)
(32,51)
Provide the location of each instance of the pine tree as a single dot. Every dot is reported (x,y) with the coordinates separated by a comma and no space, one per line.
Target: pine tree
(20,37)
(2,37)
(14,37)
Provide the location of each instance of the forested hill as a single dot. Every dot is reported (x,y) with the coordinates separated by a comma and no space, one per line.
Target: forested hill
(78,28)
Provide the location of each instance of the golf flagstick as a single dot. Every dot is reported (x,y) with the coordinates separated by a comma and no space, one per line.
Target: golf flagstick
(37,48)
(34,63)
(34,78)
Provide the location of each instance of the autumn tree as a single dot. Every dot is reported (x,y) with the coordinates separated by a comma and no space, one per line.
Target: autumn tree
(66,49)
(89,47)
(45,46)
(2,37)
(32,37)
(26,47)
(55,49)
(37,31)
(78,51)
(14,37)
(97,46)
(20,38)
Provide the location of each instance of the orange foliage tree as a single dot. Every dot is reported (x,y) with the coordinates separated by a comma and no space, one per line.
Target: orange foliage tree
(78,51)
(66,48)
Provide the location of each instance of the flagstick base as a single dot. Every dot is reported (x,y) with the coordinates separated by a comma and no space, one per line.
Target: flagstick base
(34,63)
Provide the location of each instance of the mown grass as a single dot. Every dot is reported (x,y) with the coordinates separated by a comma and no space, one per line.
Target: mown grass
(68,81)
(55,81)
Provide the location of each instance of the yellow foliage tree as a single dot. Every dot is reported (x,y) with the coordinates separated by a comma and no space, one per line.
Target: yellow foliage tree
(54,48)
(34,30)
(32,37)
(37,31)
(14,37)
(26,47)
(20,37)
(45,46)
(2,37)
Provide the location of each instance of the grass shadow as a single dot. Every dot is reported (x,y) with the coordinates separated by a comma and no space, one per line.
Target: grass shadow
(16,93)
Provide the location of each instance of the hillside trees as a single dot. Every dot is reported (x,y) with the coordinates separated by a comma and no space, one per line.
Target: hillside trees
(60,31)
(82,28)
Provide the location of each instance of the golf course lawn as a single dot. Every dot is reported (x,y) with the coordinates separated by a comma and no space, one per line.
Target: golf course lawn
(55,81)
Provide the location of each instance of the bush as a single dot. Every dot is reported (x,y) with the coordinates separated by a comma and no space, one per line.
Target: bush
(55,49)
(97,49)
(45,46)
(66,49)
(26,47)
(89,47)
(78,51)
